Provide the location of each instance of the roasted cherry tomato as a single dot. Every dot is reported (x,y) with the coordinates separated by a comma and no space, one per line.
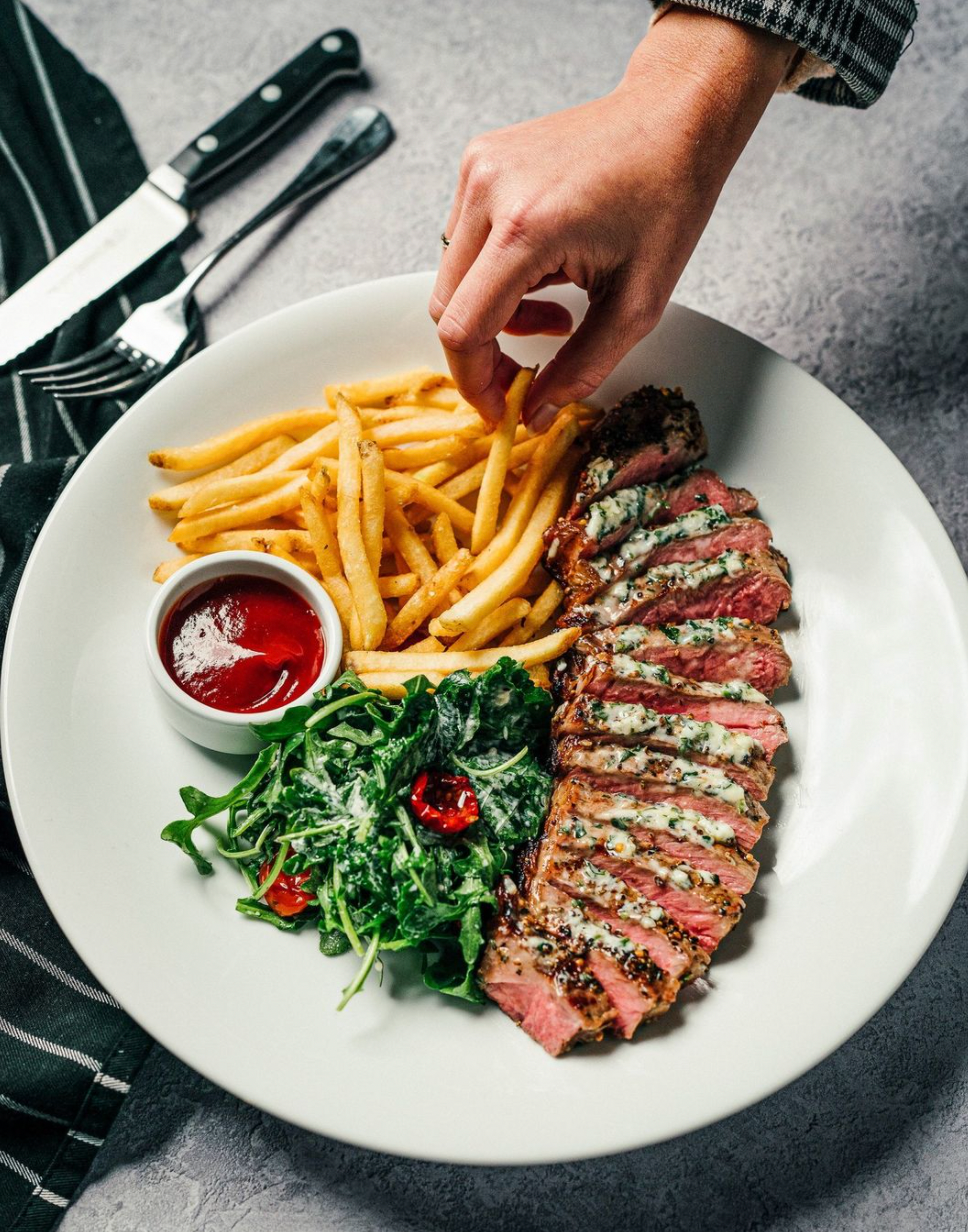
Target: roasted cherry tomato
(284,896)
(444,803)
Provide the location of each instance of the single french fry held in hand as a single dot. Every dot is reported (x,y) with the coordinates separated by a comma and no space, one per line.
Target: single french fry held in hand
(371,614)
(172,498)
(427,599)
(246,513)
(492,626)
(232,491)
(374,502)
(544,650)
(546,461)
(542,610)
(228,446)
(496,464)
(511,574)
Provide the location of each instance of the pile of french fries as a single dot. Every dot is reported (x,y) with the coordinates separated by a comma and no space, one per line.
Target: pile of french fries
(423,522)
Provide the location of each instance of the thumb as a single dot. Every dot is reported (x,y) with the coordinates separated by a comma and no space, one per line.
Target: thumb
(611,327)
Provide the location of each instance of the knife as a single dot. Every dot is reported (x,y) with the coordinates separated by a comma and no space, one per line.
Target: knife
(163,207)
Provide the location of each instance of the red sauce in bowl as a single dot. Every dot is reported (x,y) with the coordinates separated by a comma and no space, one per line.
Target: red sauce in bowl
(242,644)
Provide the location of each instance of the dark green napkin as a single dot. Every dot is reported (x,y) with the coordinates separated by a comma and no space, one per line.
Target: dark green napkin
(68,1052)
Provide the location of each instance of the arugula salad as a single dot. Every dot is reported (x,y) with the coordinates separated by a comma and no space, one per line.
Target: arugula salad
(387,824)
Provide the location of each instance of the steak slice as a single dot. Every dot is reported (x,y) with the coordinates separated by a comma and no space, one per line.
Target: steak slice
(702,534)
(637,988)
(694,899)
(662,794)
(734,753)
(538,981)
(721,649)
(620,905)
(608,521)
(751,585)
(621,678)
(650,434)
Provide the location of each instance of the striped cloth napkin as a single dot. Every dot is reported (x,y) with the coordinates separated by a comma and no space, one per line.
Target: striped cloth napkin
(68,1052)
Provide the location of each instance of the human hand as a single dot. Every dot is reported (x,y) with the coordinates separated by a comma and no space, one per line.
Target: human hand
(612,195)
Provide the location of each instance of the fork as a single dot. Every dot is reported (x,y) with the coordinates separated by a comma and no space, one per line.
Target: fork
(158,335)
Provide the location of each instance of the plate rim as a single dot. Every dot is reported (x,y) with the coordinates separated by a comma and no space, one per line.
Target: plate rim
(956,584)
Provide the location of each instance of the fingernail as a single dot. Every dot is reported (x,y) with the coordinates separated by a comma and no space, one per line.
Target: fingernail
(542,418)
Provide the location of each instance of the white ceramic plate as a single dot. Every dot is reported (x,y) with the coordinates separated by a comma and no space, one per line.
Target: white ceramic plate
(867,849)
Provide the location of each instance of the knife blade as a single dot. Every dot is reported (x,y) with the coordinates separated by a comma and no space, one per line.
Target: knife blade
(163,207)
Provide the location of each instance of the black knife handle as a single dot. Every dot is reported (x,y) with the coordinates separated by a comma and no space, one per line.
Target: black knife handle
(333,56)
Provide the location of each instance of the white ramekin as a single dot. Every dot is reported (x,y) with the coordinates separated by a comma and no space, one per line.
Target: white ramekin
(221,729)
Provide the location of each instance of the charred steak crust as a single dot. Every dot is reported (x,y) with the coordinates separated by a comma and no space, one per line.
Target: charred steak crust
(650,434)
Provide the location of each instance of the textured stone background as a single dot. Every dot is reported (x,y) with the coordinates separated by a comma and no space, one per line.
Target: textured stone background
(841,242)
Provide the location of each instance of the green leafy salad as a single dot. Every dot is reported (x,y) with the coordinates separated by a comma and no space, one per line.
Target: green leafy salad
(336,824)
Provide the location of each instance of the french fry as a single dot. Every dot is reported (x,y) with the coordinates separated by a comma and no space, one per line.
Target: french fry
(541,612)
(408,490)
(324,546)
(409,457)
(540,675)
(337,587)
(470,480)
(496,465)
(394,684)
(231,491)
(443,539)
(167,567)
(424,601)
(428,427)
(544,463)
(492,626)
(376,392)
(171,499)
(295,541)
(426,645)
(507,579)
(406,542)
(247,513)
(398,585)
(230,445)
(407,662)
(374,502)
(371,614)
(324,443)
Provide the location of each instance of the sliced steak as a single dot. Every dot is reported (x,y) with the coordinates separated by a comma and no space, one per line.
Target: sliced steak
(694,899)
(677,808)
(702,534)
(614,901)
(736,754)
(609,520)
(750,585)
(637,988)
(721,649)
(538,981)
(734,704)
(649,435)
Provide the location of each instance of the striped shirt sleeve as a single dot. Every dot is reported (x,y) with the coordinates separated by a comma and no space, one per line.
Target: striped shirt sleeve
(853,44)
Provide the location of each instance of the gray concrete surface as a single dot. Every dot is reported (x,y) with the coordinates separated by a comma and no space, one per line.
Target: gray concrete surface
(840,241)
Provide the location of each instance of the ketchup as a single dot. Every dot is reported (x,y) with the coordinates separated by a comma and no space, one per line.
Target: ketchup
(244,644)
(444,803)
